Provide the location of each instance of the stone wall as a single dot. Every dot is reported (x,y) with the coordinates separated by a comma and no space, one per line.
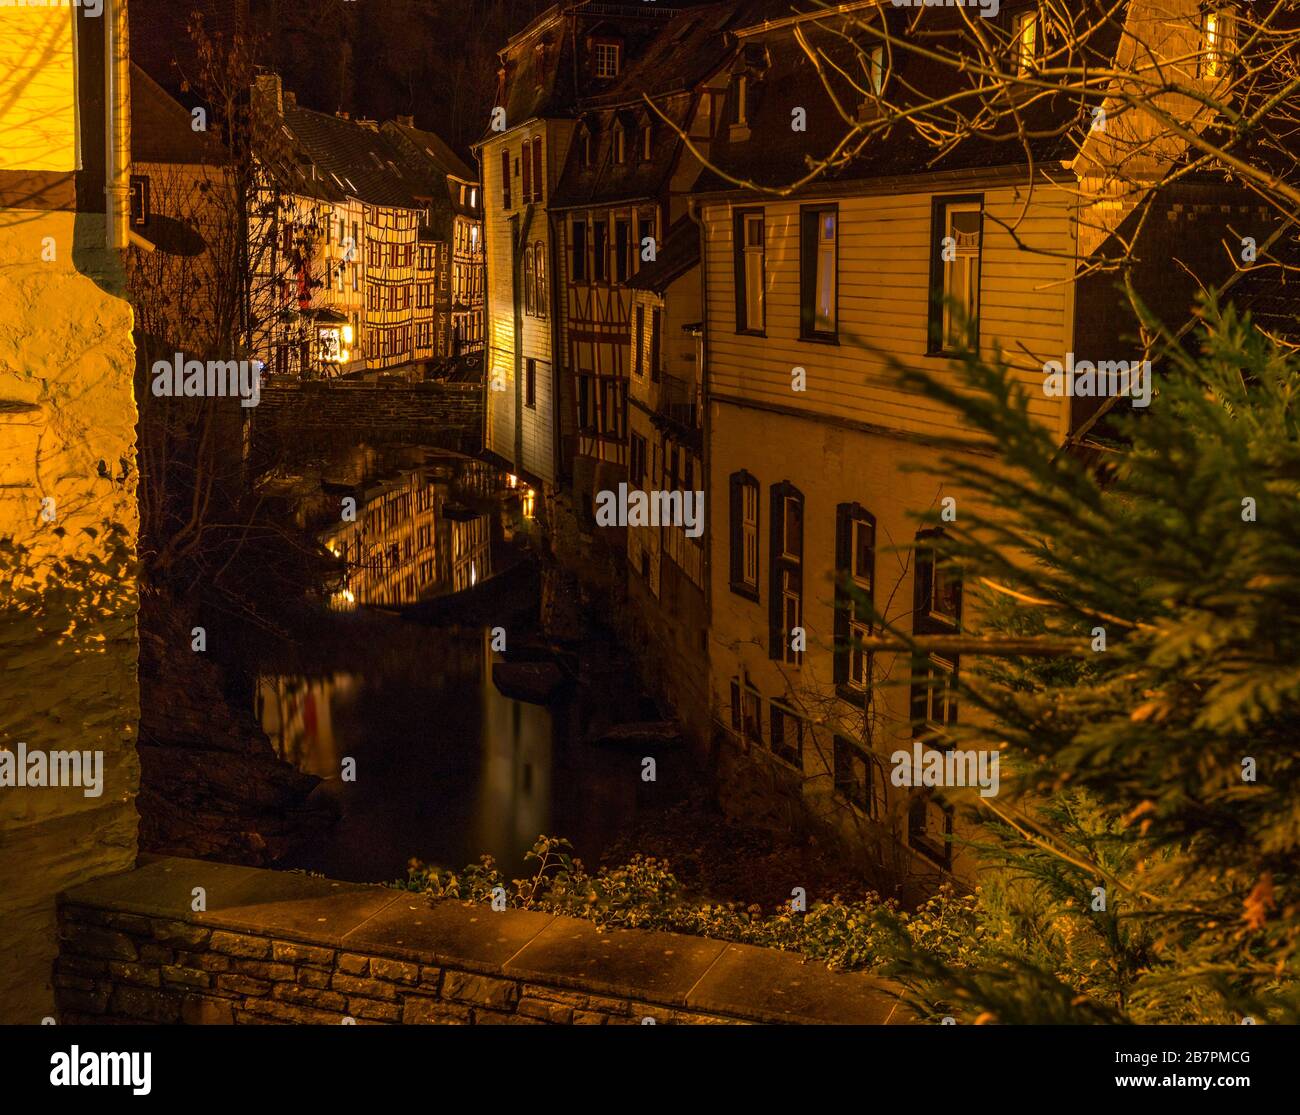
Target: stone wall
(448,415)
(68,644)
(275,947)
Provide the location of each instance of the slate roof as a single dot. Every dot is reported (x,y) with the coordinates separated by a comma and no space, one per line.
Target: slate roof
(433,161)
(776,155)
(688,49)
(360,160)
(550,83)
(1271,294)
(679,252)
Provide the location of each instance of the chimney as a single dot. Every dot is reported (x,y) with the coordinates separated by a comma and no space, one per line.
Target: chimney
(268,88)
(342,115)
(406,121)
(290,98)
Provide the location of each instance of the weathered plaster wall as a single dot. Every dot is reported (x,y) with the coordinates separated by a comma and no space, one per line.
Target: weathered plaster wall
(67,658)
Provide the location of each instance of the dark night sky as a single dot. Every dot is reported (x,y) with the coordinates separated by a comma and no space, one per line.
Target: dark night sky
(434,59)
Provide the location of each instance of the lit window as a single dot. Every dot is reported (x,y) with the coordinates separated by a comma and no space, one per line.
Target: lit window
(1024,41)
(607,59)
(647,143)
(1218,40)
(620,144)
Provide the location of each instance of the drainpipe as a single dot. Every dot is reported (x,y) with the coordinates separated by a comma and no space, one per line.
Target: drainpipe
(117,125)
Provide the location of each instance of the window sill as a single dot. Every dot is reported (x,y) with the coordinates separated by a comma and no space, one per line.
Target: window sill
(751,332)
(820,338)
(855,697)
(745,591)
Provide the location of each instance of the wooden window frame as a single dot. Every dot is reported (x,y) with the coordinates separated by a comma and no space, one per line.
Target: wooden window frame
(530,383)
(740,271)
(783,564)
(740,585)
(505,178)
(578,270)
(865,795)
(780,716)
(851,624)
(941,206)
(810,246)
(638,341)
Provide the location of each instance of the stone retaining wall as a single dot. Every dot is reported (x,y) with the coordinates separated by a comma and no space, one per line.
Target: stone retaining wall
(448,415)
(276,947)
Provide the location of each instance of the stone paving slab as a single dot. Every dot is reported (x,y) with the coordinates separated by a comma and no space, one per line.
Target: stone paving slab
(662,967)
(474,937)
(246,898)
(776,986)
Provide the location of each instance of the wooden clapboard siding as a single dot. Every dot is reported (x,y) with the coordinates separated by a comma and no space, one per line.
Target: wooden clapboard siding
(884,268)
(499,300)
(521,434)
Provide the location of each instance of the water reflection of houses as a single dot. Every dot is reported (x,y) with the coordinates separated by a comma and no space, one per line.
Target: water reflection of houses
(296,713)
(413,538)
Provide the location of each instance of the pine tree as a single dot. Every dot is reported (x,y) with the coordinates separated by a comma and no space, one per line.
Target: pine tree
(1143,851)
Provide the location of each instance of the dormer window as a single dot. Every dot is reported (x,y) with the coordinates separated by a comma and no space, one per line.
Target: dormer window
(876,69)
(588,147)
(607,57)
(620,144)
(1218,40)
(740,91)
(1026,35)
(647,143)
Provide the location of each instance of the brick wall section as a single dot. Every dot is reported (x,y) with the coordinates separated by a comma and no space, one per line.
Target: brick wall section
(274,947)
(448,415)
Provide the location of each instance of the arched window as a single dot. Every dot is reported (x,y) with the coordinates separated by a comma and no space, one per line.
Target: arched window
(539,272)
(528,283)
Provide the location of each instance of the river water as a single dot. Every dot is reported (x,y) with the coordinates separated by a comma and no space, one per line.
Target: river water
(444,768)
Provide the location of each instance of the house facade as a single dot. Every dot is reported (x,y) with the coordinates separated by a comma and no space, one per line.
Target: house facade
(377,230)
(826,487)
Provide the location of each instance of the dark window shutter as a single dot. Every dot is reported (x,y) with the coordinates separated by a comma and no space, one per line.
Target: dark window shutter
(738,262)
(528,173)
(538,176)
(505,178)
(807,271)
(737,513)
(776,518)
(843,602)
(938,211)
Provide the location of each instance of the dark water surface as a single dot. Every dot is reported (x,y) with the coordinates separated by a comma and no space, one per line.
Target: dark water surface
(446,767)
